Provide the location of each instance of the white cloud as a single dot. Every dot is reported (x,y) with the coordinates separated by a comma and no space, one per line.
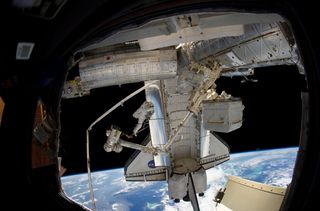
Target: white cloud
(130,186)
(120,206)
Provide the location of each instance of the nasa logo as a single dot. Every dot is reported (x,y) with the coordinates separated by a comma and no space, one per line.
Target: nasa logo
(151,164)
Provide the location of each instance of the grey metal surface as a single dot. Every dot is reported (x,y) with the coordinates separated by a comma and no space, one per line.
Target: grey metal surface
(262,44)
(186,143)
(167,26)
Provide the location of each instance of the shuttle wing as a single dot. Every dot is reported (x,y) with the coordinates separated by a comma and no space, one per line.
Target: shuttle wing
(141,167)
(214,150)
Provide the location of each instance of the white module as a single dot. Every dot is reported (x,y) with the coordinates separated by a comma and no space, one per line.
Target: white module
(222,115)
(115,69)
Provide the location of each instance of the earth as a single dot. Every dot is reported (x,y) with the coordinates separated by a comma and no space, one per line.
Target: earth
(112,192)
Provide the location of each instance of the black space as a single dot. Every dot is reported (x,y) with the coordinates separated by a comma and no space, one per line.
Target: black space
(272,109)
(271,117)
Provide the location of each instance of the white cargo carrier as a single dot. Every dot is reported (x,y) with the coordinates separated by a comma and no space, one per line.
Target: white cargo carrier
(222,115)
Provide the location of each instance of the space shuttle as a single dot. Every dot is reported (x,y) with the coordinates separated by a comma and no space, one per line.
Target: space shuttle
(180,147)
(179,58)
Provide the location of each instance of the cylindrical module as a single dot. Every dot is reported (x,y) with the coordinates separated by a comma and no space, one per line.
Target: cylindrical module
(157,125)
(114,69)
